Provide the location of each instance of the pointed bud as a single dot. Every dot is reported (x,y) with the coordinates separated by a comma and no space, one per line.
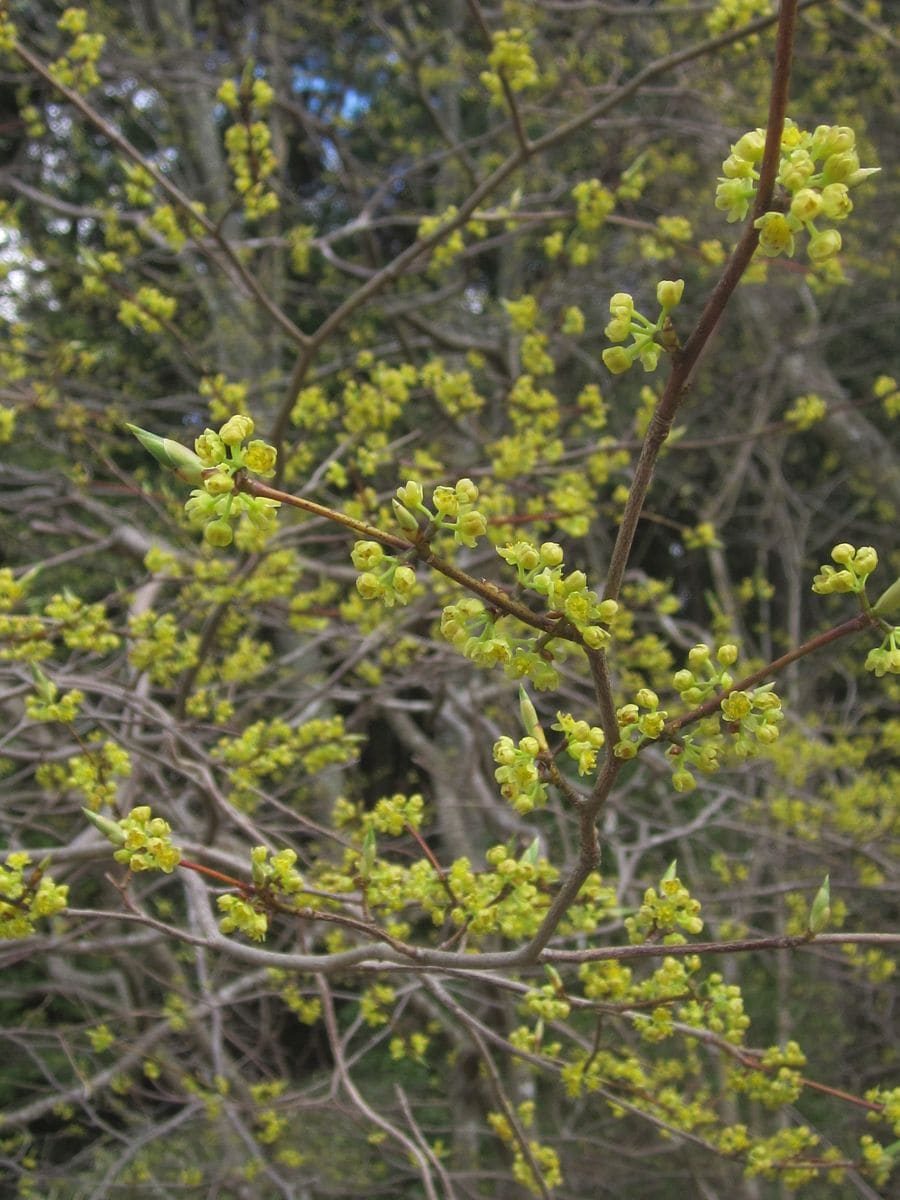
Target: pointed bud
(671,871)
(405,519)
(185,463)
(530,722)
(889,601)
(369,849)
(110,829)
(820,913)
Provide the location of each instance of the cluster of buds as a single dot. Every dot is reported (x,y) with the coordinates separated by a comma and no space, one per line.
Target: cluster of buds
(144,842)
(519,773)
(701,678)
(637,726)
(701,755)
(454,510)
(753,715)
(582,740)
(648,338)
(816,171)
(26,894)
(664,911)
(383,576)
(540,568)
(476,633)
(885,659)
(854,568)
(215,462)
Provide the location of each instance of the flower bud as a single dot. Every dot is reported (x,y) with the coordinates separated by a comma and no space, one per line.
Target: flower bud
(735,167)
(410,494)
(219,483)
(618,329)
(836,202)
(368,586)
(698,656)
(466,491)
(236,429)
(824,245)
(750,146)
(210,448)
(594,637)
(551,554)
(669,292)
(365,556)
(865,560)
(219,533)
(404,581)
(839,167)
(621,305)
(806,204)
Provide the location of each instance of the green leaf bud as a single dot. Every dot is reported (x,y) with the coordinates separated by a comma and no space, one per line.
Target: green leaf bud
(187,465)
(236,429)
(671,872)
(889,601)
(110,829)
(369,850)
(820,912)
(405,518)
